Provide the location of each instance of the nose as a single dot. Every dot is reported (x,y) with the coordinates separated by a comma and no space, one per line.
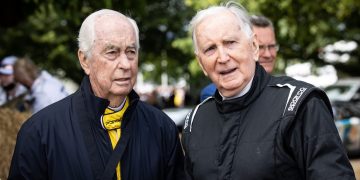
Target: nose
(223,55)
(123,61)
(266,53)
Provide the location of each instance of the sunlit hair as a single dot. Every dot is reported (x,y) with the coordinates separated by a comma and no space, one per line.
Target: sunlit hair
(87,35)
(261,21)
(238,10)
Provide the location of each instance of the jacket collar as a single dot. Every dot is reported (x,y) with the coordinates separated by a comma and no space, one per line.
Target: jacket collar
(95,106)
(260,81)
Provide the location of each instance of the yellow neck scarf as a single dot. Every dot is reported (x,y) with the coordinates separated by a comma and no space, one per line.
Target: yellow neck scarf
(111,121)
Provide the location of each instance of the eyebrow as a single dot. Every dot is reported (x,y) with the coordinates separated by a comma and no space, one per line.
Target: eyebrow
(131,46)
(111,46)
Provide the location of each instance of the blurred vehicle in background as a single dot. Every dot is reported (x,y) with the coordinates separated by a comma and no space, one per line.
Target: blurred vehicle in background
(178,115)
(345,99)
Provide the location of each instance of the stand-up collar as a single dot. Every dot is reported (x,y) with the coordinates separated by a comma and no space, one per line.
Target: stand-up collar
(260,81)
(95,106)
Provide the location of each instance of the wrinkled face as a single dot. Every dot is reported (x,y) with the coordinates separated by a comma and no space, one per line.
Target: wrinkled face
(113,65)
(267,47)
(226,54)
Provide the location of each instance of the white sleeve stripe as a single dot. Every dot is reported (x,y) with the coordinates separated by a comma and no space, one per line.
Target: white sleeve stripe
(195,110)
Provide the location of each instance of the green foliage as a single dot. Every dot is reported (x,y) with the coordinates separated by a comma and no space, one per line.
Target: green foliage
(303,27)
(197,5)
(46,31)
(48,34)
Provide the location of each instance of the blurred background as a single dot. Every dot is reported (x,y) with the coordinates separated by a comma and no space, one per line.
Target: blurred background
(322,36)
(319,43)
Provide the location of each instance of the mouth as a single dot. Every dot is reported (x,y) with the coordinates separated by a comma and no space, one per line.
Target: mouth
(228,71)
(122,81)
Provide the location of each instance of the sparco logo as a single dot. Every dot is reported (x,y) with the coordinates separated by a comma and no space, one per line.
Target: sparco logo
(296,98)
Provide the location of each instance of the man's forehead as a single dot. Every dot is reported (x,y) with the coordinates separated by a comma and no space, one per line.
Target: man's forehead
(219,26)
(111,44)
(111,31)
(105,20)
(226,18)
(264,34)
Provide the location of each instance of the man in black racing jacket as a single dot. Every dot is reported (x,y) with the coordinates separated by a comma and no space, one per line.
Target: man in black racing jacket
(256,126)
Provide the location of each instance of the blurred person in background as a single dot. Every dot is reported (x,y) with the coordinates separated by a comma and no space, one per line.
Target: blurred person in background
(153,99)
(256,126)
(207,91)
(44,88)
(180,97)
(265,34)
(103,130)
(11,88)
(11,112)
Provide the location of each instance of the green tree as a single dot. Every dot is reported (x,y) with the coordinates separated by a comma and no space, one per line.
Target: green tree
(305,27)
(46,31)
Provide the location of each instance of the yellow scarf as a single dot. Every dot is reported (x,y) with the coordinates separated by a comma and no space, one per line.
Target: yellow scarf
(111,120)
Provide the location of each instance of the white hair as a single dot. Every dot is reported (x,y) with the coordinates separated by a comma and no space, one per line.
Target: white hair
(238,10)
(87,35)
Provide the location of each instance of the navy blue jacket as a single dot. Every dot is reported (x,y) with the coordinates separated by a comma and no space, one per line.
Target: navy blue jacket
(66,141)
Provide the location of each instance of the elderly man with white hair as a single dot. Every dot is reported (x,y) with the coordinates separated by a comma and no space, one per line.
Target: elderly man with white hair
(256,126)
(102,131)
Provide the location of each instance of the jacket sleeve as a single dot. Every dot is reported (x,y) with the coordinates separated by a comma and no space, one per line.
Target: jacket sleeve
(186,134)
(187,163)
(175,156)
(29,159)
(316,144)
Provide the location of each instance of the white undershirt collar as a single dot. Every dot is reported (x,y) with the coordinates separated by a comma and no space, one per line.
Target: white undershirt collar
(116,109)
(242,92)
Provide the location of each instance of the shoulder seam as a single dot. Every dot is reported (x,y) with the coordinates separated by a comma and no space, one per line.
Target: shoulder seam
(194,112)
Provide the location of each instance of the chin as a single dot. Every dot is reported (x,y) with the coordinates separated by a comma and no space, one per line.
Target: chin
(121,92)
(231,91)
(227,92)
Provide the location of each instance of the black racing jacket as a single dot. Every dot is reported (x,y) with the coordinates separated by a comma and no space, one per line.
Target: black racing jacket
(66,141)
(280,129)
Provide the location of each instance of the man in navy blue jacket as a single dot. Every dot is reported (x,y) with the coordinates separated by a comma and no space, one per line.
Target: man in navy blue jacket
(102,131)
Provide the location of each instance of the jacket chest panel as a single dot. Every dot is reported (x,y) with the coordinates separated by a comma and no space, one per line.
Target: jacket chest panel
(237,144)
(254,155)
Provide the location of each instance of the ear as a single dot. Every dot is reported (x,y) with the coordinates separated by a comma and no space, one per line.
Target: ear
(255,48)
(200,63)
(84,62)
